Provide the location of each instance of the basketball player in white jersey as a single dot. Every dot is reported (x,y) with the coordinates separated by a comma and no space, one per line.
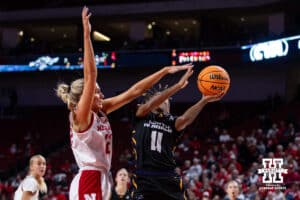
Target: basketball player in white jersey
(33,183)
(91,135)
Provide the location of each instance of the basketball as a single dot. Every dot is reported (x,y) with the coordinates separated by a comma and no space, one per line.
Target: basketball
(213,80)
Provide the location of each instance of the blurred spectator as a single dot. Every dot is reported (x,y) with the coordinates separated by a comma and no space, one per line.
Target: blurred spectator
(121,191)
(273,131)
(214,135)
(186,166)
(13,149)
(195,143)
(225,137)
(232,189)
(293,193)
(125,158)
(205,196)
(278,195)
(195,170)
(66,166)
(60,178)
(16,182)
(261,147)
(253,177)
(252,192)
(56,194)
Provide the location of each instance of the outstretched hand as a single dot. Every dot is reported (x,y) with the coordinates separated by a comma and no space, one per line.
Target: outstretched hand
(184,79)
(177,68)
(85,14)
(212,98)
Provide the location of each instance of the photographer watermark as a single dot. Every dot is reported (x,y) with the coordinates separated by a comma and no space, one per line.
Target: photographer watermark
(272,174)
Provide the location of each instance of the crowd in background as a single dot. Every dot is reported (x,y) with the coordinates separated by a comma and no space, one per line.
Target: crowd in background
(206,161)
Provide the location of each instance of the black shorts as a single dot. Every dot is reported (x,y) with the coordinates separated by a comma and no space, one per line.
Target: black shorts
(158,187)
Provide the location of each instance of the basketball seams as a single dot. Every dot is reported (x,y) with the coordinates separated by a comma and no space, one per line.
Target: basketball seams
(208,92)
(223,83)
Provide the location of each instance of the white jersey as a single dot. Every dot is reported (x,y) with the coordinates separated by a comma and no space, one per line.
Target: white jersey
(28,184)
(92,148)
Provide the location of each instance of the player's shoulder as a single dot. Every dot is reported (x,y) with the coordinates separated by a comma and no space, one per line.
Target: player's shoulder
(170,117)
(30,181)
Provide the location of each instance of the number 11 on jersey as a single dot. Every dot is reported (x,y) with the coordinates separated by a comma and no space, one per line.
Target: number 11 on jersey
(156,138)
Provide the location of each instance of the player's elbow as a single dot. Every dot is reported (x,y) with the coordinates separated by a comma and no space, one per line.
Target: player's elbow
(181,123)
(138,89)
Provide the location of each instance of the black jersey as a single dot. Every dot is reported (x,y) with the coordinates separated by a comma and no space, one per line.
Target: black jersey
(154,140)
(115,196)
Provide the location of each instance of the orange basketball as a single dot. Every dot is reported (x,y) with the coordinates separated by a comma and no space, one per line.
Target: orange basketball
(213,80)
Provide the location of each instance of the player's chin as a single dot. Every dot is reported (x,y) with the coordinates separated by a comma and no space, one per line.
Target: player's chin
(42,173)
(233,194)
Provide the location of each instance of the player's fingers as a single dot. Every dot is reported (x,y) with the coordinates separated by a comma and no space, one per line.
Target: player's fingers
(189,73)
(184,67)
(185,84)
(221,94)
(85,10)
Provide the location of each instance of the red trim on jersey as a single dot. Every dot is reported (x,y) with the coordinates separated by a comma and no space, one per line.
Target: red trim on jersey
(90,125)
(90,185)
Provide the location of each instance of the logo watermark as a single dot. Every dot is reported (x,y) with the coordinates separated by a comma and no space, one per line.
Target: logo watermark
(272,174)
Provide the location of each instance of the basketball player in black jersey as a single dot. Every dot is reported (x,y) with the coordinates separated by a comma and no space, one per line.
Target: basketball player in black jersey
(154,138)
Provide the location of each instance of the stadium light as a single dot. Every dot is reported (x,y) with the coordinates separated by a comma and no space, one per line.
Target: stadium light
(100,37)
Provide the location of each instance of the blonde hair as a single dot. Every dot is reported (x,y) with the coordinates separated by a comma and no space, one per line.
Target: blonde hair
(40,180)
(70,94)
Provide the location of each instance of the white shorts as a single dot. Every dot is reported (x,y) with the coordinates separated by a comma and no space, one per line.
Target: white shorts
(90,185)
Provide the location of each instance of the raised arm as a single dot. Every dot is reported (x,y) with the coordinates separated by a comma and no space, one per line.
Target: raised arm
(114,103)
(158,99)
(84,106)
(190,114)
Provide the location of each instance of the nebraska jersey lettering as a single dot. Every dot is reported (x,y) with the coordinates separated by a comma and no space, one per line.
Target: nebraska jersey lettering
(93,147)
